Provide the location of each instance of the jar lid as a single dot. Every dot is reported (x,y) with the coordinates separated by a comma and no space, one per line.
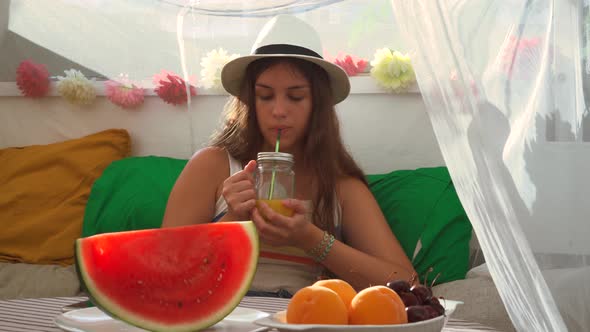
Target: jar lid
(275,156)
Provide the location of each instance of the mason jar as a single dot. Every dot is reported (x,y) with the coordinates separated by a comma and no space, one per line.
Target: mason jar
(275,180)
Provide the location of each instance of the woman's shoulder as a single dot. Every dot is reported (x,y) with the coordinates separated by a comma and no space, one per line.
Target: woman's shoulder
(213,160)
(349,182)
(211,152)
(349,187)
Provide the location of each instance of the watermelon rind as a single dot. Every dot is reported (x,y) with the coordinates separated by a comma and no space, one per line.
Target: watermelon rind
(118,312)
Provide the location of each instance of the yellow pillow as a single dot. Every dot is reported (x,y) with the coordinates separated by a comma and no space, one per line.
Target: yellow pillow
(43,194)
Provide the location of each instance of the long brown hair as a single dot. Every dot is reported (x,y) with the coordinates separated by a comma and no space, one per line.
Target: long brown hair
(323,152)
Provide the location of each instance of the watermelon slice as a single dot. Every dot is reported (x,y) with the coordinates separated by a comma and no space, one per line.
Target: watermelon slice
(170,279)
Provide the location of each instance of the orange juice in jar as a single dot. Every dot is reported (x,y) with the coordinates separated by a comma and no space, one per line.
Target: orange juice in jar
(277,206)
(275,180)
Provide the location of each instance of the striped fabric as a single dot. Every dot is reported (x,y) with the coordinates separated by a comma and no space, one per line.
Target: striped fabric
(286,255)
(29,315)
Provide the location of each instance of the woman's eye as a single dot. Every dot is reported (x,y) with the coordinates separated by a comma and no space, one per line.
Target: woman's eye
(296,98)
(265,97)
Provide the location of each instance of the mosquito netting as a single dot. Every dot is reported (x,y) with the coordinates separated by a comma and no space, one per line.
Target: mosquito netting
(505,84)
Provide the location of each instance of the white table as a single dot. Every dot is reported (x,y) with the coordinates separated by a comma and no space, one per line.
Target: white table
(27,315)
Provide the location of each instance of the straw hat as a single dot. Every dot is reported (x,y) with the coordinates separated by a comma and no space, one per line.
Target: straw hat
(286,36)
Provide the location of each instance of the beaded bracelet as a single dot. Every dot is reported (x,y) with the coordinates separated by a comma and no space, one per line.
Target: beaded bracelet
(315,251)
(321,250)
(327,249)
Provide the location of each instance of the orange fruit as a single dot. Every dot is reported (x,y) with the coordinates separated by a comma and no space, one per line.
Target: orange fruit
(316,305)
(341,287)
(377,305)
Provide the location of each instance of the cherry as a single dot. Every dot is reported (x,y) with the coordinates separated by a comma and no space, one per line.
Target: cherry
(440,310)
(422,293)
(399,286)
(409,299)
(417,313)
(431,311)
(432,300)
(420,303)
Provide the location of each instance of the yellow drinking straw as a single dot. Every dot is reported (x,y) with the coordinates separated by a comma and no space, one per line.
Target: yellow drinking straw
(272,179)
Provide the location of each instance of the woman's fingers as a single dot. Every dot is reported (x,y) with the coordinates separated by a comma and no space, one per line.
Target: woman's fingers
(235,198)
(246,206)
(238,192)
(238,186)
(263,209)
(239,178)
(270,214)
(266,229)
(241,204)
(296,205)
(250,167)
(246,174)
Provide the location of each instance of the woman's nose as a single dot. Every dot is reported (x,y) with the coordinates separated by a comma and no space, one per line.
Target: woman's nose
(280,107)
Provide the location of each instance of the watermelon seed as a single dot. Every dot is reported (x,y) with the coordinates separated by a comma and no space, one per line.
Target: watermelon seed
(206,260)
(220,277)
(139,282)
(199,300)
(179,304)
(210,292)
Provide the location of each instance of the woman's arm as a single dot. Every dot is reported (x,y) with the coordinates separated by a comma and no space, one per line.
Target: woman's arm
(192,199)
(372,254)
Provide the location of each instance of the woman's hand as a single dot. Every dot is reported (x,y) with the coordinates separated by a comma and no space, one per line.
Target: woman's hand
(279,230)
(238,191)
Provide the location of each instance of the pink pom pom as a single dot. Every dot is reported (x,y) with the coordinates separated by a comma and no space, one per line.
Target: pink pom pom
(351,64)
(518,54)
(32,79)
(124,95)
(172,89)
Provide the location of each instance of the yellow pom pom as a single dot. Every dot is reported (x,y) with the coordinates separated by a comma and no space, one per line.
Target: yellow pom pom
(392,70)
(76,88)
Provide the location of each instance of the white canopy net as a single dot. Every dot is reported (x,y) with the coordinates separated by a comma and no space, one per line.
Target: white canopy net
(506,86)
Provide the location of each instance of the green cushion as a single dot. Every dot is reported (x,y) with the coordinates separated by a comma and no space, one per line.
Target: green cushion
(422,204)
(131,194)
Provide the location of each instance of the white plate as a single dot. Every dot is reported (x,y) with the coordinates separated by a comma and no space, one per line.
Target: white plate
(94,320)
(432,325)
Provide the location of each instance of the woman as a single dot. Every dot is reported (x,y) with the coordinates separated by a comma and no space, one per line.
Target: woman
(337,225)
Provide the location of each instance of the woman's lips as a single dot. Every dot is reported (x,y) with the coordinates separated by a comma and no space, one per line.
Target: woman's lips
(282,129)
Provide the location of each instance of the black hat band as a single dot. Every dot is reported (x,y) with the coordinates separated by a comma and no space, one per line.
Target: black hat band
(286,49)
